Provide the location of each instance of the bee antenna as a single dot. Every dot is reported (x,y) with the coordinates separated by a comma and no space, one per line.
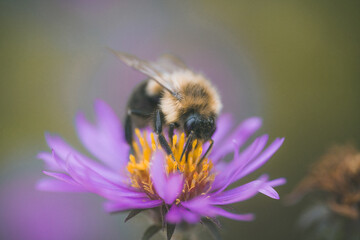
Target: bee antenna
(188,141)
(207,151)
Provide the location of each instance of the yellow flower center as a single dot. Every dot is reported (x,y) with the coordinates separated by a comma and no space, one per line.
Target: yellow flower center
(197,174)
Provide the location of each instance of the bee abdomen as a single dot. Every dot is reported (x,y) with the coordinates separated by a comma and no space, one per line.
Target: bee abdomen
(141,101)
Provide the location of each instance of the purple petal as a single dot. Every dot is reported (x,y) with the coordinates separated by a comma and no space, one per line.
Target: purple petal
(277,182)
(240,193)
(131,204)
(242,170)
(190,217)
(269,191)
(53,185)
(173,187)
(88,177)
(157,173)
(239,217)
(49,161)
(198,204)
(251,152)
(234,168)
(262,159)
(61,151)
(240,135)
(168,188)
(105,139)
(60,162)
(75,170)
(174,215)
(246,129)
(57,143)
(177,214)
(60,176)
(106,117)
(116,194)
(202,206)
(224,124)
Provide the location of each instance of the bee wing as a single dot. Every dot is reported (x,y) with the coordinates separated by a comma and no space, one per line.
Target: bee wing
(169,63)
(151,69)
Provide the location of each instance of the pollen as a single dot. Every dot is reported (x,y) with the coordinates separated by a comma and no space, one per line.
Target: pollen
(197,172)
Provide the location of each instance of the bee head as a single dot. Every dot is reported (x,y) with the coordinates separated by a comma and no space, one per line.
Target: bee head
(202,127)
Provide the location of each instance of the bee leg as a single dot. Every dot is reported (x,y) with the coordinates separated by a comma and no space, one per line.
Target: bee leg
(158,130)
(171,133)
(139,113)
(128,124)
(207,151)
(128,130)
(187,144)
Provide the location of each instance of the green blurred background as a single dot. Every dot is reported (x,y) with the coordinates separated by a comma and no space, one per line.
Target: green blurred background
(293,63)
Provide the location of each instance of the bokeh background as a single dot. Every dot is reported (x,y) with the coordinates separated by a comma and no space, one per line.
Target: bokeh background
(293,63)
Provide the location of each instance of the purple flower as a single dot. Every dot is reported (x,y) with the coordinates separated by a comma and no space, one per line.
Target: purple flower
(179,191)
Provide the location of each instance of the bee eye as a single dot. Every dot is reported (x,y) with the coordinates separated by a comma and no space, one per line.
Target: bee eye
(189,125)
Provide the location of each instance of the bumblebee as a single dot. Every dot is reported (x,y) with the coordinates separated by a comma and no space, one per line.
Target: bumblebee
(172,96)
